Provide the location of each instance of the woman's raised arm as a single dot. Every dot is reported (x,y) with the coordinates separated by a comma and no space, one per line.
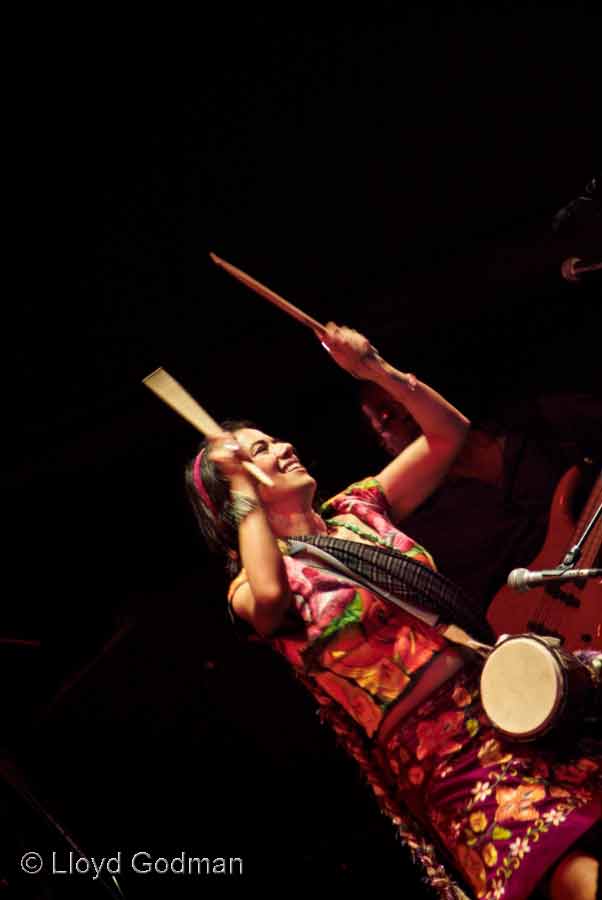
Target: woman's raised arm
(421,466)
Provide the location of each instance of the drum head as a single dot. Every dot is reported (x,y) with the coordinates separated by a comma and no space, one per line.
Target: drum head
(522,686)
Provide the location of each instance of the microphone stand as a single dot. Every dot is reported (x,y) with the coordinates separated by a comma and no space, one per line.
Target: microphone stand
(11,775)
(574,554)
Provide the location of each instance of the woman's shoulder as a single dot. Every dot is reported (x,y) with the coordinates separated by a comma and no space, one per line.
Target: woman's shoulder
(294,567)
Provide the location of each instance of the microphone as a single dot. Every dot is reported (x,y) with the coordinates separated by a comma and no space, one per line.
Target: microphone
(524,580)
(573,269)
(586,206)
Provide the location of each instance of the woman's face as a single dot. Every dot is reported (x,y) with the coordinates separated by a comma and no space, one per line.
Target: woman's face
(278,459)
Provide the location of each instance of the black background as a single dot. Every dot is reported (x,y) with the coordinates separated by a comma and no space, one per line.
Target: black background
(396,173)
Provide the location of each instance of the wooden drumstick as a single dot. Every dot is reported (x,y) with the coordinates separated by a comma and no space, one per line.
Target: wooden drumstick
(274,298)
(171,392)
(280,302)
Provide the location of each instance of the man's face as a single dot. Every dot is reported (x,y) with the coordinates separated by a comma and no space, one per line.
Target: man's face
(391,421)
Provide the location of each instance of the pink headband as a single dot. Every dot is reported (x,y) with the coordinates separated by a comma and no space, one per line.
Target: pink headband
(199,485)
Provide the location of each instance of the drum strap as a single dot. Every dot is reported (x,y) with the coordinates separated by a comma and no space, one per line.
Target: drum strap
(403,581)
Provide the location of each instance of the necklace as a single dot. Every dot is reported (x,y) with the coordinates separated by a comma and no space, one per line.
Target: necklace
(365,534)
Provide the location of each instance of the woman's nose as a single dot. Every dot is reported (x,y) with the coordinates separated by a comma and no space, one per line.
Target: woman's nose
(285,449)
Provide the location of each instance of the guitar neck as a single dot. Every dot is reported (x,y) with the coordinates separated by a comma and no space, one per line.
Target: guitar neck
(592,543)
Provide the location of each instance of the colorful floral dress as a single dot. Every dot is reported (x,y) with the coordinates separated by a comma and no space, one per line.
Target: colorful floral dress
(501,813)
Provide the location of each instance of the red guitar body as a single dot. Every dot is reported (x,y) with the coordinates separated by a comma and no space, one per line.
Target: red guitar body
(572,611)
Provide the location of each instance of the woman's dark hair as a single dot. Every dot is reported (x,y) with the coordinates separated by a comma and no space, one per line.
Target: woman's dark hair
(220,531)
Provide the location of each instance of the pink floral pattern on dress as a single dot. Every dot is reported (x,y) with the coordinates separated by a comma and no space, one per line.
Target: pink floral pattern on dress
(366,651)
(367,502)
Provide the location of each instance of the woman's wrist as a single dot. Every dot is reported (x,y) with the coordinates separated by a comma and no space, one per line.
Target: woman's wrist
(241,505)
(391,380)
(244,498)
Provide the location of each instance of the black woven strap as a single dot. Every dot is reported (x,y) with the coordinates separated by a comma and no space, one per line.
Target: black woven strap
(406,578)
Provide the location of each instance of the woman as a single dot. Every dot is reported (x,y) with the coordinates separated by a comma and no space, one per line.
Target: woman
(383,644)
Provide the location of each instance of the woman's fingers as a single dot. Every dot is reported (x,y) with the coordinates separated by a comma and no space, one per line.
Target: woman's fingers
(227,453)
(346,340)
(351,350)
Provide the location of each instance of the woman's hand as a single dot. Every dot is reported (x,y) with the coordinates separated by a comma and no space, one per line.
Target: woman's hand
(228,456)
(351,351)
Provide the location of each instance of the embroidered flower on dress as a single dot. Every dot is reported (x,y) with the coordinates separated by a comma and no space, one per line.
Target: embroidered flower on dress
(496,891)
(460,696)
(559,792)
(576,773)
(554,817)
(437,736)
(519,847)
(491,753)
(489,854)
(517,803)
(478,821)
(481,791)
